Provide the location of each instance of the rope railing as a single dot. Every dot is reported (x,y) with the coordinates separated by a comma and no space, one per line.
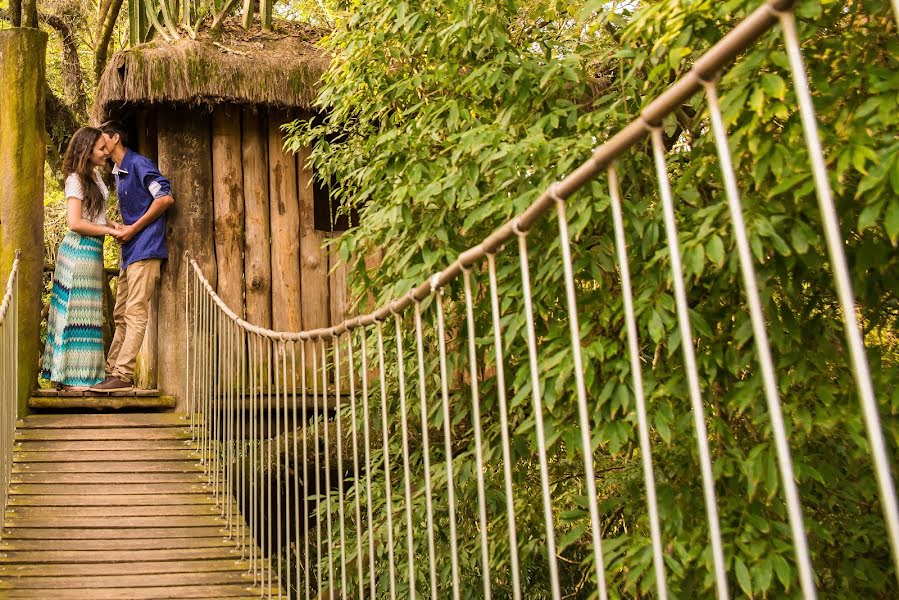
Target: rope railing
(9,377)
(350,489)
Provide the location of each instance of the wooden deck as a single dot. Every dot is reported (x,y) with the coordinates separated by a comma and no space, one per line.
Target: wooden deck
(48,399)
(109,506)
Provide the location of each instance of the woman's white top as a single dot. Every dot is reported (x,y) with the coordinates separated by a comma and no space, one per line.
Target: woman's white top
(74,190)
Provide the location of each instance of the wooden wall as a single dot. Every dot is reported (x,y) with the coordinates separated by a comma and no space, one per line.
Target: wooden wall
(245,209)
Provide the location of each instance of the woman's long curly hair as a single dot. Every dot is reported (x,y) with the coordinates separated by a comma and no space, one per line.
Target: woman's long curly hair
(78,160)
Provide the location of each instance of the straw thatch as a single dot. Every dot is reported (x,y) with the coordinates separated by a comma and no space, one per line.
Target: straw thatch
(278,70)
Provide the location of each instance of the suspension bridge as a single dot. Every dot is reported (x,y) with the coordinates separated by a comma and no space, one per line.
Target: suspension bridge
(325,463)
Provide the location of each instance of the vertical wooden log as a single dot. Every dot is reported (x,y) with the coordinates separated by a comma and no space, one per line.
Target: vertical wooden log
(145,371)
(284,211)
(227,193)
(339,305)
(22,153)
(313,258)
(185,157)
(257,261)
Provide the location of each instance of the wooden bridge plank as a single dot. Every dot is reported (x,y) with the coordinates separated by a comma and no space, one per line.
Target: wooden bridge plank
(104,456)
(113,556)
(113,401)
(118,545)
(206,564)
(108,478)
(99,489)
(114,466)
(56,533)
(116,522)
(132,500)
(132,581)
(149,593)
(111,433)
(174,510)
(96,445)
(94,421)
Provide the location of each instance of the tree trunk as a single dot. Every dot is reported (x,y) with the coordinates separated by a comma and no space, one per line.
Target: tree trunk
(72,74)
(185,157)
(22,149)
(107,26)
(285,220)
(257,227)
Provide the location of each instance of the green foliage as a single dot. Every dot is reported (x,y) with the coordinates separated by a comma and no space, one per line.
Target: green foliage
(445,119)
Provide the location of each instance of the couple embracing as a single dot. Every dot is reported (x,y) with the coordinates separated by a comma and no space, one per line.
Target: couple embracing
(74,353)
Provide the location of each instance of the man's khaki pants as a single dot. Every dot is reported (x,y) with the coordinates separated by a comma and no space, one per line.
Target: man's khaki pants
(137,284)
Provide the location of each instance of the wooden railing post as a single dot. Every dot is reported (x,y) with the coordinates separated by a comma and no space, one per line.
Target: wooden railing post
(22,153)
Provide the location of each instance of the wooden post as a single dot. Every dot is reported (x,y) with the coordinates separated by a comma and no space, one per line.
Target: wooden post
(340,310)
(313,258)
(185,157)
(227,193)
(257,228)
(145,371)
(22,153)
(284,210)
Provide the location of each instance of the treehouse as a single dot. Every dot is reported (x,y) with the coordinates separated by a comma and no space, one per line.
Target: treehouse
(210,112)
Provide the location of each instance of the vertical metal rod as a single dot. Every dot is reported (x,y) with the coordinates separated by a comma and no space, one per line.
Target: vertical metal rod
(269,437)
(426,449)
(287,507)
(244,448)
(537,400)
(448,445)
(788,477)
(356,487)
(686,333)
(583,415)
(325,409)
(338,417)
(216,405)
(318,478)
(187,337)
(368,467)
(407,473)
(504,428)
(253,369)
(305,418)
(843,280)
(386,443)
(273,407)
(476,423)
(658,557)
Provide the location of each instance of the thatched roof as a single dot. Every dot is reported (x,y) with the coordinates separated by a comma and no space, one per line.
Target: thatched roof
(279,69)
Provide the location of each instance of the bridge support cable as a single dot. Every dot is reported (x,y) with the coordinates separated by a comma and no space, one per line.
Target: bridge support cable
(369,535)
(633,346)
(843,282)
(689,350)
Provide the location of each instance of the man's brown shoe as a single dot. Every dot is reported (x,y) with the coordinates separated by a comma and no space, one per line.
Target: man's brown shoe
(113,384)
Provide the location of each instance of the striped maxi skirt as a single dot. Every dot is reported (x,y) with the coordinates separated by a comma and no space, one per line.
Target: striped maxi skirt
(74,353)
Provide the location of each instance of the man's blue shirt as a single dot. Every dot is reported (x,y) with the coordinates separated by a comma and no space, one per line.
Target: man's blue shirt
(139,183)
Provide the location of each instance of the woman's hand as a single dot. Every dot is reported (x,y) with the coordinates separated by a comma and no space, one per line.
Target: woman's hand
(115,225)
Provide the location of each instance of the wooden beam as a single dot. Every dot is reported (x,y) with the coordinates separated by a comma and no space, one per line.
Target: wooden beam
(228,196)
(284,211)
(313,258)
(185,157)
(257,227)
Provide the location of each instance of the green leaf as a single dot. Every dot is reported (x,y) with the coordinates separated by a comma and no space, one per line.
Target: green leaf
(774,86)
(891,220)
(743,576)
(869,216)
(571,537)
(715,250)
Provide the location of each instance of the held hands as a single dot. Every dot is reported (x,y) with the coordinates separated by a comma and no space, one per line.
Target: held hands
(121,233)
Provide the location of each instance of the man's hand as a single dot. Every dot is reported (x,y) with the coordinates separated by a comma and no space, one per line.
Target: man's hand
(125,234)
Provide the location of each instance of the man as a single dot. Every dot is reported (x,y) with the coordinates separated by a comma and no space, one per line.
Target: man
(144,196)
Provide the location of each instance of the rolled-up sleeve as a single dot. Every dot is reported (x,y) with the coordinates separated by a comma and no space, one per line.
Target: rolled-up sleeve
(156,184)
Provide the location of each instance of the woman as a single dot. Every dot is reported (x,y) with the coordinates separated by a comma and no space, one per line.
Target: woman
(74,354)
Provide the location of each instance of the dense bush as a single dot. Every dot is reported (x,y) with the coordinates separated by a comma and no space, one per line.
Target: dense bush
(446,118)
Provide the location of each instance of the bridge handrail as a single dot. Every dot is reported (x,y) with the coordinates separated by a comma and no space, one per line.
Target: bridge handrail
(9,378)
(703,77)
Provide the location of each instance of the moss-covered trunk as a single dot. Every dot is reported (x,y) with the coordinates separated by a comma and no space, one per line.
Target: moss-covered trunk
(22,153)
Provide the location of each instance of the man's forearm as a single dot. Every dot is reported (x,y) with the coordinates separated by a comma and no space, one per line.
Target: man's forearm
(156,210)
